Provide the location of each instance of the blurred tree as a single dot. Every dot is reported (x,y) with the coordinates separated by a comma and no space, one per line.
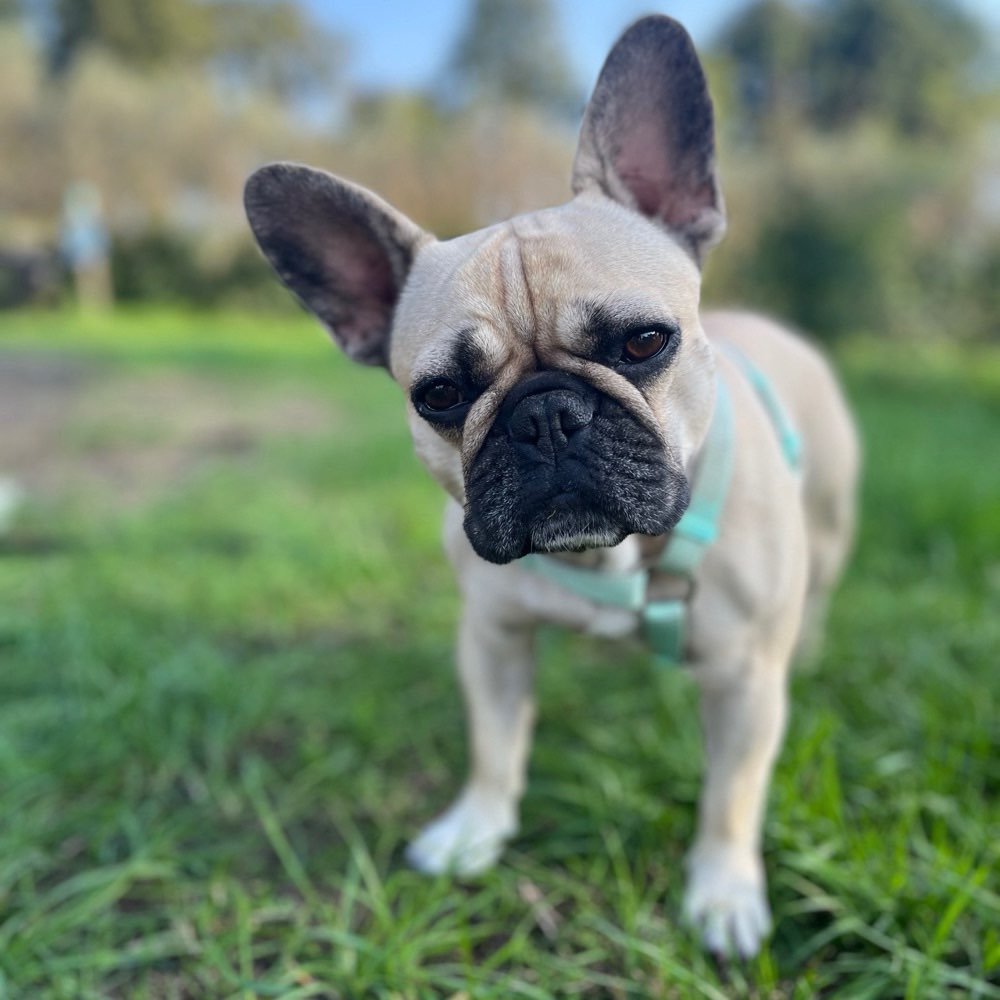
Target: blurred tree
(905,61)
(769,46)
(268,44)
(139,32)
(273,45)
(509,51)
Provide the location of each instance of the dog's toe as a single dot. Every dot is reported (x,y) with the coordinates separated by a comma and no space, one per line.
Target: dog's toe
(726,903)
(466,840)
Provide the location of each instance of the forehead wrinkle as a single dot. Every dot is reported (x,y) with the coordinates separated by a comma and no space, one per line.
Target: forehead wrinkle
(480,418)
(546,266)
(494,352)
(492,290)
(517,302)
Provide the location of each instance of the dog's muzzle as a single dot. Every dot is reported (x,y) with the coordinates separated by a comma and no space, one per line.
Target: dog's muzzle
(566,467)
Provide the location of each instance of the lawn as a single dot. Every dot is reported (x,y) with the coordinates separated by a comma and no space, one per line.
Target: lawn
(226,701)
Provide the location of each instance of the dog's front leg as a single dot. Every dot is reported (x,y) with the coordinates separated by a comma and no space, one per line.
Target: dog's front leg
(495,665)
(743,717)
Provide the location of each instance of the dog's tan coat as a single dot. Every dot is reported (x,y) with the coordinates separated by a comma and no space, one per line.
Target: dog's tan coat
(646,209)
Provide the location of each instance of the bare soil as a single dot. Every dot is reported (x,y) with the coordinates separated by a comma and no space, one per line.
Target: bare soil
(127,435)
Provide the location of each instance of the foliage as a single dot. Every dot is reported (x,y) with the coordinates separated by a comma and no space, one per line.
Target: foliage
(908,63)
(856,148)
(904,61)
(141,32)
(268,43)
(157,265)
(768,46)
(223,709)
(169,153)
(848,234)
(509,52)
(166,148)
(454,172)
(848,211)
(274,46)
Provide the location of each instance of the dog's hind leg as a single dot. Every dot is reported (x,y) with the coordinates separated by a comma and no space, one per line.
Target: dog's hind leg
(830,516)
(496,667)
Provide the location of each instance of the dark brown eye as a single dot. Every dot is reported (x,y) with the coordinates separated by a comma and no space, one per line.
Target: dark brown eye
(643,346)
(441,395)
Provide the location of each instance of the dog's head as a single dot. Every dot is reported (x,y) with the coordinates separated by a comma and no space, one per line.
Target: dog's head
(557,375)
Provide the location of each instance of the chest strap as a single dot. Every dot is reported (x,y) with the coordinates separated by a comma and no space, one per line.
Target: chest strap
(662,621)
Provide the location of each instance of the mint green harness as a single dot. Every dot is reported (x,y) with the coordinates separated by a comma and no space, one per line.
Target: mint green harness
(663,620)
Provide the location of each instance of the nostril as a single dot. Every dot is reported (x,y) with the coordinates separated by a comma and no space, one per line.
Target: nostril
(569,413)
(524,425)
(573,419)
(550,419)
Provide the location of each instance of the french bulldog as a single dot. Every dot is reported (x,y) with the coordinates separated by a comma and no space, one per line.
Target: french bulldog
(560,385)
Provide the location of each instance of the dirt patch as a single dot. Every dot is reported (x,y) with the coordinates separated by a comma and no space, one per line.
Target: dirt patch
(68,427)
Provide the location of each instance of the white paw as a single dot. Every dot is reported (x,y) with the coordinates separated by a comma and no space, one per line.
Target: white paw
(726,902)
(467,839)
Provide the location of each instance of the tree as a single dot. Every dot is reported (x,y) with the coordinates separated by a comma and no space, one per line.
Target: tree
(509,51)
(905,61)
(273,45)
(269,44)
(768,44)
(139,32)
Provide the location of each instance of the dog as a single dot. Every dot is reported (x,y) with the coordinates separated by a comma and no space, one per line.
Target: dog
(565,391)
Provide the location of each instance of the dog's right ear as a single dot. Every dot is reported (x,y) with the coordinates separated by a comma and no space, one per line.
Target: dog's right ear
(343,251)
(647,138)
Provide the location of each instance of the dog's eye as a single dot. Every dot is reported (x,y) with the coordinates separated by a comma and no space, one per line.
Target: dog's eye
(643,346)
(440,396)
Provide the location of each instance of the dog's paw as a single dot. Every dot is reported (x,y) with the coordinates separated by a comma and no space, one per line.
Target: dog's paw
(726,903)
(466,840)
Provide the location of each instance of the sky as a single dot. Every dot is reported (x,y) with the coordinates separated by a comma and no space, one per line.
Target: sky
(402,43)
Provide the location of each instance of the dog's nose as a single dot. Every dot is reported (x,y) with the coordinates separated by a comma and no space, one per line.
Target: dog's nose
(549,419)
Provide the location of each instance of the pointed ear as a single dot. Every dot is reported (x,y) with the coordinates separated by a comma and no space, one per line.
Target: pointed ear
(344,252)
(647,138)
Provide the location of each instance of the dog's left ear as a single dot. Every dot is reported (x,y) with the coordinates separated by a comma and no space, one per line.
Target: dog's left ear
(647,139)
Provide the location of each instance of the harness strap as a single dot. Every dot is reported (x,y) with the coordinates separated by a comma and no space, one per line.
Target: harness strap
(698,528)
(788,437)
(620,590)
(662,621)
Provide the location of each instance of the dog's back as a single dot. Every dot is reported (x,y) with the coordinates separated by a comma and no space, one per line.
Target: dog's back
(804,383)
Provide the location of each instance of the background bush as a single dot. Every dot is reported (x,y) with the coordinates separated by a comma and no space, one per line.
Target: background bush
(168,267)
(858,145)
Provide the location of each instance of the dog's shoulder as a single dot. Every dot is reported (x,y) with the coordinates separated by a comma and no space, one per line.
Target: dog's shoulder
(797,371)
(767,343)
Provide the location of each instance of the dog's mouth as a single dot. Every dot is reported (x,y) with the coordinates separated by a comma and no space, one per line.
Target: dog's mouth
(572,531)
(567,468)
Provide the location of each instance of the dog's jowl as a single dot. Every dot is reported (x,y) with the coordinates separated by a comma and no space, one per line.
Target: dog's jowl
(616,461)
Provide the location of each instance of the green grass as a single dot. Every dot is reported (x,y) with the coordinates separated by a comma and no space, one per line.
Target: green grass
(226,701)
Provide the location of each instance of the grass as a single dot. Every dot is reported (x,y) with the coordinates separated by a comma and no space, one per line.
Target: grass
(226,701)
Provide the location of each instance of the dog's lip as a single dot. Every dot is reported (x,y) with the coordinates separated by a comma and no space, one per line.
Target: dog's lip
(548,533)
(584,545)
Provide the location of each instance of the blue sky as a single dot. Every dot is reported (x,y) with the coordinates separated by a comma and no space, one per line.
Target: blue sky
(400,43)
